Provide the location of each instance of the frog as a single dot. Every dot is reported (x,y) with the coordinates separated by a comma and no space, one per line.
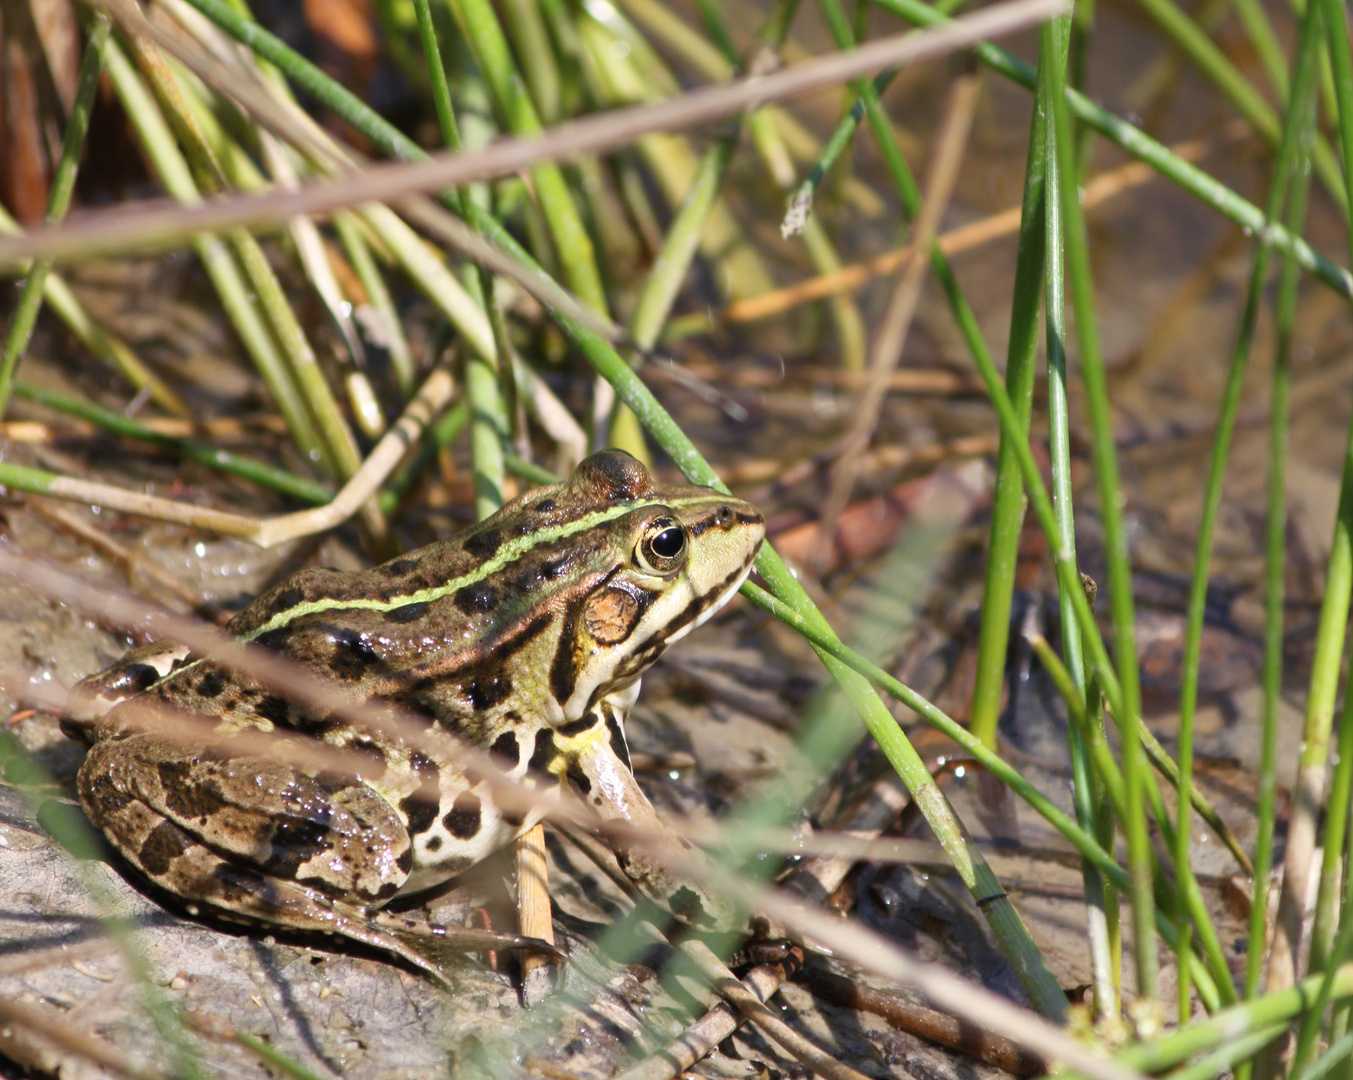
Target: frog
(524,636)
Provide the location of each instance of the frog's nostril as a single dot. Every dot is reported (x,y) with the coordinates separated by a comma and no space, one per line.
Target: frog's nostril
(723,515)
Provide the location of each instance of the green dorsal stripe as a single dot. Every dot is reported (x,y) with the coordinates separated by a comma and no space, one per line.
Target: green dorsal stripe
(509,551)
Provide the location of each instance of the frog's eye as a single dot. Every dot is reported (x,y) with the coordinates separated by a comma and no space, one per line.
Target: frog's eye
(663,546)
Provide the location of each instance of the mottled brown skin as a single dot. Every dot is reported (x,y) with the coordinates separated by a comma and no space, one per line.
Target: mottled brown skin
(524,635)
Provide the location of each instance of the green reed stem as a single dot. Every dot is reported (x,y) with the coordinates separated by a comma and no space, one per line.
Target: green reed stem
(1091,799)
(1230,1056)
(222,269)
(1337,1054)
(1146,149)
(116,423)
(396,345)
(1007,508)
(1301,97)
(526,28)
(573,245)
(1115,538)
(679,245)
(1237,89)
(436,439)
(100,341)
(58,202)
(1260,31)
(1275,562)
(1326,660)
(908,191)
(1247,1017)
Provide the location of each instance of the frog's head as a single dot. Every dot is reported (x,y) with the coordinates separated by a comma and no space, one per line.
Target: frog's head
(665,558)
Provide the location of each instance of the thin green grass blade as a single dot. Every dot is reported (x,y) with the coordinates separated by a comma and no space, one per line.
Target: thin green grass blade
(58,202)
(1146,149)
(1115,539)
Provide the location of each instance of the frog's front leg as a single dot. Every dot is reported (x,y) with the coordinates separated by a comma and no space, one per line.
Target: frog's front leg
(250,838)
(596,763)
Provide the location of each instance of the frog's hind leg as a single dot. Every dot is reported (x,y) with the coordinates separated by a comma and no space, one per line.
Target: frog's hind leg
(243,894)
(251,839)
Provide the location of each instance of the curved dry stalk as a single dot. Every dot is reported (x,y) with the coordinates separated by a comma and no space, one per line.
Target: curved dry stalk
(265,532)
(128,230)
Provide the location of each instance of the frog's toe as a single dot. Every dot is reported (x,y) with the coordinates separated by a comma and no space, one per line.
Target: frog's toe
(436,940)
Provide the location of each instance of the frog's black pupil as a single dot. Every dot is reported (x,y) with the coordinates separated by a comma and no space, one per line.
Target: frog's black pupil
(668,543)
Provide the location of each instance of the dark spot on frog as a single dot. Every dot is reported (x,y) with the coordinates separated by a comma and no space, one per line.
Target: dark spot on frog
(579,779)
(186,796)
(564,667)
(476,598)
(553,568)
(486,682)
(137,678)
(420,807)
(397,568)
(407,613)
(686,906)
(545,752)
(104,797)
(274,708)
(487,690)
(618,745)
(274,640)
(324,888)
(507,749)
(545,506)
(211,684)
(577,727)
(285,600)
(387,890)
(331,782)
(405,860)
(165,843)
(295,841)
(464,818)
(434,843)
(483,545)
(353,655)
